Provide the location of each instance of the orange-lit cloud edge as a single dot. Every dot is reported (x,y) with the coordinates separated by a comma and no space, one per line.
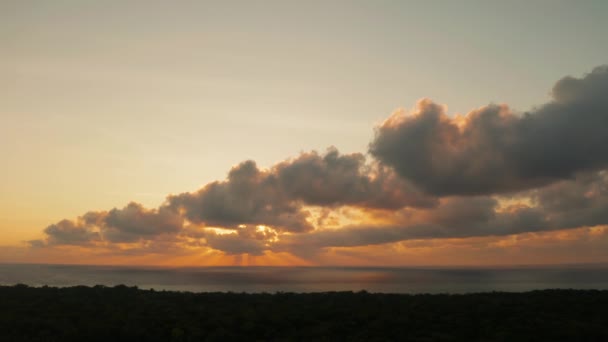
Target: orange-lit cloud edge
(568,246)
(492,187)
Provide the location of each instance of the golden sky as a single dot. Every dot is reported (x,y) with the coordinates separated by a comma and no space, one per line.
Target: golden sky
(291,133)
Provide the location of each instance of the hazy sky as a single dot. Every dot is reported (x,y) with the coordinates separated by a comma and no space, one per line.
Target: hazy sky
(107,102)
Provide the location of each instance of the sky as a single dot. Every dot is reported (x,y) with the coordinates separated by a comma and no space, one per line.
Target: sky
(304,133)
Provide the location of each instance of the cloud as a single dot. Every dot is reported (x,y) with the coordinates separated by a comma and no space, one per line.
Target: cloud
(584,245)
(244,239)
(581,202)
(333,180)
(66,232)
(276,197)
(134,222)
(129,224)
(235,244)
(568,204)
(248,197)
(492,149)
(489,173)
(454,218)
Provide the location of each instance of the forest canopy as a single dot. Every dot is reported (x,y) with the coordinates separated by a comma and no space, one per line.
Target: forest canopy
(124,313)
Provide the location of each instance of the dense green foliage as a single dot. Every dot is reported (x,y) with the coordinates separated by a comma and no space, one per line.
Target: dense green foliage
(128,314)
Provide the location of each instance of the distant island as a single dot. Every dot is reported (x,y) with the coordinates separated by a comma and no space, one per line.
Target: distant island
(123,313)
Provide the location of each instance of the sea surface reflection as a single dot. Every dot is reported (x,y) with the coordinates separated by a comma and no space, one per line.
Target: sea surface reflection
(314,279)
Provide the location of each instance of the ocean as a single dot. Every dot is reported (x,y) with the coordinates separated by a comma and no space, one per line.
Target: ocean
(314,279)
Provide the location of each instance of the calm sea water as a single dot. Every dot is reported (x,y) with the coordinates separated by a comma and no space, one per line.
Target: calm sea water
(313,279)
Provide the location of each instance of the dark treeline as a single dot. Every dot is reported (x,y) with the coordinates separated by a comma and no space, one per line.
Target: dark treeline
(124,313)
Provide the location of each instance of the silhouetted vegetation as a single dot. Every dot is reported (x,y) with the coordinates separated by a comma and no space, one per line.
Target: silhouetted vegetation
(124,313)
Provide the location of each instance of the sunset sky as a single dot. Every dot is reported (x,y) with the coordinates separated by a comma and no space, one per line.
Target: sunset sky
(304,132)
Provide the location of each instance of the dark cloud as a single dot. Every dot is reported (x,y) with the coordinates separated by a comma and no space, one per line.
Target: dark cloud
(568,204)
(135,222)
(460,213)
(129,224)
(357,236)
(276,197)
(481,216)
(580,202)
(455,218)
(66,232)
(333,180)
(434,177)
(493,150)
(248,197)
(234,243)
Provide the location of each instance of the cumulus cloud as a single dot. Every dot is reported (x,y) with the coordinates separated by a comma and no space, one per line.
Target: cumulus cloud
(333,180)
(580,202)
(276,197)
(129,224)
(491,172)
(66,232)
(248,197)
(492,149)
(134,222)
